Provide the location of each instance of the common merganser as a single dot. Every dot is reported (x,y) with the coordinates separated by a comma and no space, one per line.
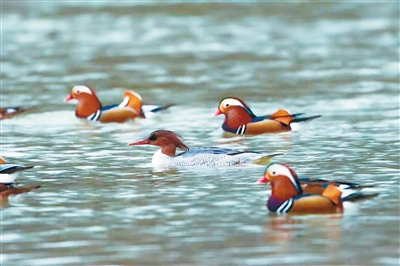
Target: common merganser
(287,195)
(239,119)
(168,141)
(90,108)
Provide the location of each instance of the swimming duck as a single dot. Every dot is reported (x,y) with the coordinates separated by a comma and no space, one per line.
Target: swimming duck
(239,119)
(90,108)
(287,194)
(9,112)
(8,174)
(350,191)
(169,141)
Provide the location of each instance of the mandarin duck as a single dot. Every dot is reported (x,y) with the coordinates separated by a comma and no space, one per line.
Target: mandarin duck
(350,191)
(8,174)
(9,112)
(169,141)
(239,119)
(287,194)
(90,108)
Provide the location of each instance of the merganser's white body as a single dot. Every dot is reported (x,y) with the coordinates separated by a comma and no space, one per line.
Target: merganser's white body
(211,156)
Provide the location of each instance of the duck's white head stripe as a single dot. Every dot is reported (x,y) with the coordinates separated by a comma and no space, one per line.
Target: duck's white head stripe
(283,170)
(231,102)
(82,88)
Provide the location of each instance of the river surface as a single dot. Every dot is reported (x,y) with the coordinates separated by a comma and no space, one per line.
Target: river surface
(102,203)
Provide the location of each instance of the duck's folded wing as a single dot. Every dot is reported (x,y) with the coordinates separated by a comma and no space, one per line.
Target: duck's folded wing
(211,150)
(313,204)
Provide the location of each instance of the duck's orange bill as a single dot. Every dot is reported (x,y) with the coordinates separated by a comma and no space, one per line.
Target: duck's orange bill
(262,180)
(69,98)
(142,142)
(218,112)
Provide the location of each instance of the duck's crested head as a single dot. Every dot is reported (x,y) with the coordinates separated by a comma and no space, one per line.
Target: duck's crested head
(79,91)
(276,171)
(163,138)
(226,103)
(282,176)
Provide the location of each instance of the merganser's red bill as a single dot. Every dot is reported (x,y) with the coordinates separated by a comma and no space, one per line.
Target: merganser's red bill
(69,98)
(218,112)
(142,142)
(262,180)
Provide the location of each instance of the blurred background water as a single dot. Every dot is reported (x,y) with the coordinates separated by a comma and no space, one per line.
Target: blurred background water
(102,202)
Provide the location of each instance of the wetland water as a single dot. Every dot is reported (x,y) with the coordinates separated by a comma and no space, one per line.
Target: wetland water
(102,203)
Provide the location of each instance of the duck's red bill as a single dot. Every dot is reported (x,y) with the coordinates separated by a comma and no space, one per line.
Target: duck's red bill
(262,180)
(142,142)
(69,98)
(218,112)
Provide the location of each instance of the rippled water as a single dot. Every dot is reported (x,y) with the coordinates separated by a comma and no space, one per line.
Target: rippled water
(101,202)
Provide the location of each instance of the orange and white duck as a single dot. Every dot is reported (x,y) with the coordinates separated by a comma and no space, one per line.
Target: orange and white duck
(239,119)
(287,195)
(350,191)
(169,141)
(8,174)
(9,112)
(90,108)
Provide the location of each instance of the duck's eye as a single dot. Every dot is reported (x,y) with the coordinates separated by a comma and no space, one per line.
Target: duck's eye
(153,137)
(273,173)
(226,105)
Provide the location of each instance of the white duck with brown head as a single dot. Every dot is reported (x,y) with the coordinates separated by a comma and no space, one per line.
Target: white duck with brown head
(169,141)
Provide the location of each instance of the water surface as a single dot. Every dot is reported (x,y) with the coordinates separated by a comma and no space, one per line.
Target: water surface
(102,202)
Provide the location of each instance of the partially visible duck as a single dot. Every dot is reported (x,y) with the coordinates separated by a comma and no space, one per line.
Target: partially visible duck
(9,112)
(239,119)
(90,108)
(287,195)
(169,141)
(8,174)
(350,191)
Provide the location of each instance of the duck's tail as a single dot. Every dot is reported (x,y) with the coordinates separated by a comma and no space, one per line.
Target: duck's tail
(300,118)
(357,195)
(156,108)
(265,160)
(286,118)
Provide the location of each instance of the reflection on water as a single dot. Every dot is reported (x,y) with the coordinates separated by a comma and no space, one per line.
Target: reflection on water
(101,202)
